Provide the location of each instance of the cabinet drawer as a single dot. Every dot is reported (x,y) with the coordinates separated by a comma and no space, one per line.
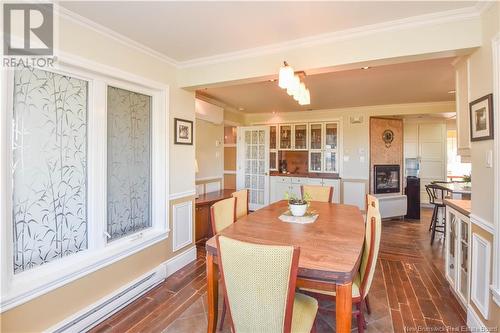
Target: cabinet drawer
(299,180)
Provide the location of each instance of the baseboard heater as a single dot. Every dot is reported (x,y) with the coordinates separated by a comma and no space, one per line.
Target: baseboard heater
(104,308)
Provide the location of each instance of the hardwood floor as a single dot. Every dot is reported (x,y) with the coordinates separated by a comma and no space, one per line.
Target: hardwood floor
(409,292)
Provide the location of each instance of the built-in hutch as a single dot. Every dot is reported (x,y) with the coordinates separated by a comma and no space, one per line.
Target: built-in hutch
(457,247)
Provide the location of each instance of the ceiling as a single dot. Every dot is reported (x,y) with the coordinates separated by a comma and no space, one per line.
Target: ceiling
(185,31)
(412,82)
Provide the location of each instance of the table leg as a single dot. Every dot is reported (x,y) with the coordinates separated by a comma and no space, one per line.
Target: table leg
(212,293)
(343,311)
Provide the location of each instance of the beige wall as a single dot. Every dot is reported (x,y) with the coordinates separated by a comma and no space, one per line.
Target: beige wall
(355,136)
(47,310)
(209,154)
(481,83)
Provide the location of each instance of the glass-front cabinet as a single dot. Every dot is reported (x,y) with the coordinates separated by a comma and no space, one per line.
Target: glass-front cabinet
(300,137)
(323,145)
(316,135)
(273,147)
(285,136)
(458,252)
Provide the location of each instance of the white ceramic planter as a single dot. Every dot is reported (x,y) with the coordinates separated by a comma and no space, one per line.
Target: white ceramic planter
(298,210)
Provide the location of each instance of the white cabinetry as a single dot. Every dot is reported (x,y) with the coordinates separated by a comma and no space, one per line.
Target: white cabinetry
(462,107)
(281,185)
(458,253)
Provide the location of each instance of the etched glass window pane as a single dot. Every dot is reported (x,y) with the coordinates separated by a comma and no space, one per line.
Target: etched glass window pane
(129,162)
(49,169)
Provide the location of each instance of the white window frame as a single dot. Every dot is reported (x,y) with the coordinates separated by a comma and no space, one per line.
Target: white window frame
(24,286)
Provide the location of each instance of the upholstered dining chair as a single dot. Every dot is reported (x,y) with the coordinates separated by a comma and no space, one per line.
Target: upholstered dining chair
(363,280)
(317,192)
(269,303)
(241,203)
(222,214)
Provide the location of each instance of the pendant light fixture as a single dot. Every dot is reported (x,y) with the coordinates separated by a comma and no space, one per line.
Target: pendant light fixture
(290,81)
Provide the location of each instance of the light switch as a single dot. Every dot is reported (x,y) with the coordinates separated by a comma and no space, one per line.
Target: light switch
(489,159)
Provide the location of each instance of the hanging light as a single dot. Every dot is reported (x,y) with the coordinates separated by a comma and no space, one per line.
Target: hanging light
(294,88)
(285,76)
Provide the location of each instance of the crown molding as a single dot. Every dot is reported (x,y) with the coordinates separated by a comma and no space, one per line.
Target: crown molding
(395,25)
(83,21)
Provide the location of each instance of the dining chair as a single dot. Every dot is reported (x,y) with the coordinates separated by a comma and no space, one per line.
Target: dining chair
(241,203)
(437,203)
(269,303)
(317,192)
(364,278)
(222,214)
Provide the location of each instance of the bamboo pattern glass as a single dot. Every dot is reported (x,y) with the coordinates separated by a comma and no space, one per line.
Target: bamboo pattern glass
(49,167)
(129,162)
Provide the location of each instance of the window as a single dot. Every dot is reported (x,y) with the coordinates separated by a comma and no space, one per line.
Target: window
(49,169)
(456,169)
(129,162)
(84,181)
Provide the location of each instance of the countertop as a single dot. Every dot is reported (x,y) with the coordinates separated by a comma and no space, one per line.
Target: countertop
(212,197)
(463,206)
(306,175)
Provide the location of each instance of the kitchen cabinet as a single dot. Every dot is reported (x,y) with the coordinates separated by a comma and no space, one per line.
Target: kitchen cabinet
(293,137)
(300,137)
(285,137)
(462,109)
(273,151)
(323,147)
(280,185)
(457,253)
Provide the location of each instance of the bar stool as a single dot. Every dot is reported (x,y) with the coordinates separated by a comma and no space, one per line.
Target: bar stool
(437,202)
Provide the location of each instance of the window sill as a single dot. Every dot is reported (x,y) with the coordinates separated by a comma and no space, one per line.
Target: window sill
(31,284)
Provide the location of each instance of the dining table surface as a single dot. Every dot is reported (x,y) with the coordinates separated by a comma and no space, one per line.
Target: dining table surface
(330,251)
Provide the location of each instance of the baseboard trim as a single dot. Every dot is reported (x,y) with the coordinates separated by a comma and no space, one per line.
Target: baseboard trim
(97,312)
(474,322)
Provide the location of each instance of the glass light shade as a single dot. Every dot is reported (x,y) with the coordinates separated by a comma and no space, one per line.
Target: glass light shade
(305,98)
(294,87)
(285,77)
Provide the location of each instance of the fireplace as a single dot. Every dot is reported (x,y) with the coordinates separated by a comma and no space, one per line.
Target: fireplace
(386,178)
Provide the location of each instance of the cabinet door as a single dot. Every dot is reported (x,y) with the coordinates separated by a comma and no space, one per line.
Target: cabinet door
(315,159)
(202,223)
(273,160)
(273,136)
(451,246)
(280,190)
(463,259)
(331,136)
(300,136)
(285,136)
(316,136)
(330,161)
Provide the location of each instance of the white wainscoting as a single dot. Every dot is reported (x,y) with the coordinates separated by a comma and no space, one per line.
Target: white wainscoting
(474,322)
(182,225)
(354,193)
(480,274)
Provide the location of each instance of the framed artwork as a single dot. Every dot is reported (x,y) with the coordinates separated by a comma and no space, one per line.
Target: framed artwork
(481,118)
(183,132)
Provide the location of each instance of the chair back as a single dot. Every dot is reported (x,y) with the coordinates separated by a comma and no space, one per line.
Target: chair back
(432,192)
(373,232)
(241,203)
(222,214)
(371,202)
(259,284)
(317,192)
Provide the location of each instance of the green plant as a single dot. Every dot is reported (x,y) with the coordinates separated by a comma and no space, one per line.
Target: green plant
(467,178)
(294,200)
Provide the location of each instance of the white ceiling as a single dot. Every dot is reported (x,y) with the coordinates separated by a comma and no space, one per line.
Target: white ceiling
(412,82)
(190,30)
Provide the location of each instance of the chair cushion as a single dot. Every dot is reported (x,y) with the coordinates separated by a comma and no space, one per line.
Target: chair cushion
(304,313)
(355,288)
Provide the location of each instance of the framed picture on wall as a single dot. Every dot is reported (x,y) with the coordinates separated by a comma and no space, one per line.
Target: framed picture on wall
(481,118)
(183,132)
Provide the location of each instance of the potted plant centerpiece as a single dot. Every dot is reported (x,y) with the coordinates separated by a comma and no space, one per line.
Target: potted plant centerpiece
(467,181)
(297,206)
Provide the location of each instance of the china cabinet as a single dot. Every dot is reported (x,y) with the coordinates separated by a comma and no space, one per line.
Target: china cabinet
(273,145)
(323,147)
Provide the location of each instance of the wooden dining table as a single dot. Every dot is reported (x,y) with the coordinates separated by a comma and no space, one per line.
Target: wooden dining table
(330,251)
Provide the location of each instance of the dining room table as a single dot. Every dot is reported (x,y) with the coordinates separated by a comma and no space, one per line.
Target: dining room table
(331,248)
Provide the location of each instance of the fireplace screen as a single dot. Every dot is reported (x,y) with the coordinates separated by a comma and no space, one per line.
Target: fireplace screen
(386,179)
